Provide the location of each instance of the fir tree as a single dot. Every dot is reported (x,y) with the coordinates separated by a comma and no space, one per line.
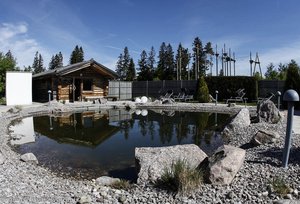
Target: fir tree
(161,65)
(182,61)
(271,72)
(199,57)
(37,64)
(170,64)
(166,65)
(143,67)
(77,55)
(123,64)
(131,74)
(151,63)
(56,61)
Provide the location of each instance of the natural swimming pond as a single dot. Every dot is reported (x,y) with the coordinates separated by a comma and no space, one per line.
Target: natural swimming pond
(92,144)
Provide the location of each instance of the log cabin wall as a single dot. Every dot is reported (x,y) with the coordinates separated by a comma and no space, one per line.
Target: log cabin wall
(75,83)
(89,82)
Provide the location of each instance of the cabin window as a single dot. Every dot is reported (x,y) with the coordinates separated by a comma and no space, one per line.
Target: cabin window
(87,84)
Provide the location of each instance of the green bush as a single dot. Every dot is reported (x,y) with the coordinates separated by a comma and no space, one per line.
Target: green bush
(203,92)
(181,178)
(279,186)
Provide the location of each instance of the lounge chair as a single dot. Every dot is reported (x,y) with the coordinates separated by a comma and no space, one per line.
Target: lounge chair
(239,98)
(268,97)
(167,97)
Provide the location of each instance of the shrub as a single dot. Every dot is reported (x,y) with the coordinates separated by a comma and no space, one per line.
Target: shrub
(203,92)
(279,186)
(180,178)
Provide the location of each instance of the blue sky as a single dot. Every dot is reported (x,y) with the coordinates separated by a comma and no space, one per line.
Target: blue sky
(104,27)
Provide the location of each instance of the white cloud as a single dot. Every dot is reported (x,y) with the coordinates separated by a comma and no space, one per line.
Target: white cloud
(14,37)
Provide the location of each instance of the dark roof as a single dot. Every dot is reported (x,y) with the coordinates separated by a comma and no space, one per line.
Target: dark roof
(61,71)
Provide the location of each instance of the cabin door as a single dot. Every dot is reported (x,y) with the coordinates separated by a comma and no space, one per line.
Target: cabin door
(77,91)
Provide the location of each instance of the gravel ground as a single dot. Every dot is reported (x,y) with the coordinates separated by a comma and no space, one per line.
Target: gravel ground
(22,182)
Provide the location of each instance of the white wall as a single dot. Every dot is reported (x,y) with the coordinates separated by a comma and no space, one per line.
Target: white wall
(18,88)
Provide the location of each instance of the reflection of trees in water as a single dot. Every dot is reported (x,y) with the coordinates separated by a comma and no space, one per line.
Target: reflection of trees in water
(165,132)
(126,125)
(182,128)
(151,128)
(201,123)
(143,127)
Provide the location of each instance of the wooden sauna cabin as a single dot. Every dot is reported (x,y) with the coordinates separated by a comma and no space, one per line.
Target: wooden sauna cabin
(83,81)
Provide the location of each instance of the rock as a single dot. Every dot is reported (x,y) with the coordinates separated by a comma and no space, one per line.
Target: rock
(286,201)
(106,181)
(267,112)
(29,157)
(2,159)
(224,164)
(231,105)
(85,200)
(152,161)
(241,120)
(264,137)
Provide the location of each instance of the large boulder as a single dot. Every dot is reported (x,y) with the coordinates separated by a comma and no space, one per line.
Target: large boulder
(265,137)
(242,119)
(151,162)
(223,165)
(268,112)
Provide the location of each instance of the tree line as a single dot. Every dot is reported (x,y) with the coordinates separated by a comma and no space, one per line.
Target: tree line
(170,66)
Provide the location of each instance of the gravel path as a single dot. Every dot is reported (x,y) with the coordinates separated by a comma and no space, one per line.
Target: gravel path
(22,182)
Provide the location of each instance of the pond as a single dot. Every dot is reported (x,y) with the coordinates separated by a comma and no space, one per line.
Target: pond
(91,144)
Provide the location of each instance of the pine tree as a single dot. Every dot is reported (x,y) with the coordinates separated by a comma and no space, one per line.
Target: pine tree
(77,55)
(56,61)
(37,64)
(282,71)
(161,65)
(182,61)
(208,50)
(143,67)
(131,74)
(123,64)
(199,57)
(151,63)
(271,72)
(170,64)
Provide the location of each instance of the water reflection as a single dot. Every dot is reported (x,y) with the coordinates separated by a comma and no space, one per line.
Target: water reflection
(102,143)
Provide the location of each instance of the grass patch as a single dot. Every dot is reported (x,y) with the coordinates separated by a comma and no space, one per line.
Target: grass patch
(279,186)
(122,184)
(181,178)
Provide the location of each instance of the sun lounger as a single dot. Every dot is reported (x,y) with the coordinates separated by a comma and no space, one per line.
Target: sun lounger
(238,98)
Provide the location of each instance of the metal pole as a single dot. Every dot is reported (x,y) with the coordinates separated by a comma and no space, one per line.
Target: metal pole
(288,137)
(216,102)
(49,94)
(278,99)
(290,96)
